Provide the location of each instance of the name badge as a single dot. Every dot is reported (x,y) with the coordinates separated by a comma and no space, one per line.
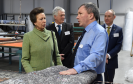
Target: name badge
(67,33)
(116,34)
(81,46)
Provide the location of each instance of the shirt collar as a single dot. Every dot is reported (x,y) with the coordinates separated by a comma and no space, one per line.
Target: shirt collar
(108,26)
(90,25)
(57,24)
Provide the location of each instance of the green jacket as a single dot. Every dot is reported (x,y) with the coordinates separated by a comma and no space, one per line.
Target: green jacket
(37,50)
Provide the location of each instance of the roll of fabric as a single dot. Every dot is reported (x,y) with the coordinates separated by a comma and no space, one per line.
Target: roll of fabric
(127,31)
(51,76)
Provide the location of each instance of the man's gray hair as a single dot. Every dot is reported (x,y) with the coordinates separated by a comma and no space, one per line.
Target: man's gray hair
(92,8)
(56,9)
(113,12)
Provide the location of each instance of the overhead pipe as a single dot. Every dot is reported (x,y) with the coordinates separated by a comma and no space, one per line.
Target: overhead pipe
(98,7)
(53,8)
(53,4)
(11,3)
(111,1)
(33,4)
(67,9)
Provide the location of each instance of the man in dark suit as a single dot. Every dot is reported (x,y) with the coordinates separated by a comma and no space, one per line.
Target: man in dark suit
(64,35)
(115,42)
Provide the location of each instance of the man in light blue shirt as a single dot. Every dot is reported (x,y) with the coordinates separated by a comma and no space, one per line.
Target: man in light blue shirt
(91,52)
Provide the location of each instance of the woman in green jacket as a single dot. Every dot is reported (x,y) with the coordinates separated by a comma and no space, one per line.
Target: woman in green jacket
(38,45)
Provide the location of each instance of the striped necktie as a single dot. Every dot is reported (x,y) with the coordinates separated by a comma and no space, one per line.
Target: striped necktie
(77,45)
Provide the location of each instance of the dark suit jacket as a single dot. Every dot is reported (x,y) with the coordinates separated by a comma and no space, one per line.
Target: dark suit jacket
(65,42)
(114,46)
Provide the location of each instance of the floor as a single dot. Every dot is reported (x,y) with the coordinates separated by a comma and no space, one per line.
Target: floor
(7,70)
(125,63)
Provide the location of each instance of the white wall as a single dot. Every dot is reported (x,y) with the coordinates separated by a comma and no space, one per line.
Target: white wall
(13,6)
(119,6)
(122,6)
(76,3)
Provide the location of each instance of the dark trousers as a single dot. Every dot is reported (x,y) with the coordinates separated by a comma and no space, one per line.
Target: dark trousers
(109,75)
(98,80)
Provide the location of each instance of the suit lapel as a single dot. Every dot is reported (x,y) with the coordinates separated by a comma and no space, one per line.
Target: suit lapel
(112,31)
(55,30)
(104,26)
(63,31)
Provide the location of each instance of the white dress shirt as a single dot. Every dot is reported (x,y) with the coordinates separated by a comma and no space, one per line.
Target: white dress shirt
(56,25)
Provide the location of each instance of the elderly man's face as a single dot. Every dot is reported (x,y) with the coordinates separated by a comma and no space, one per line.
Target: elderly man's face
(109,17)
(83,17)
(41,21)
(59,19)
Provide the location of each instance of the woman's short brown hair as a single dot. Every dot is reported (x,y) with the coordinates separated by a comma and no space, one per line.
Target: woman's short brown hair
(35,12)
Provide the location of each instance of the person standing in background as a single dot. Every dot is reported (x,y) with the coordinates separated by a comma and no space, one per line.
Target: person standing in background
(115,43)
(64,34)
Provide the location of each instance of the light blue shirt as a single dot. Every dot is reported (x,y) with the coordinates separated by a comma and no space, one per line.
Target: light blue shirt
(91,53)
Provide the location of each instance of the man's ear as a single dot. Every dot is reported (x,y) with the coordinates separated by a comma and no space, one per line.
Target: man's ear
(91,16)
(114,16)
(54,16)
